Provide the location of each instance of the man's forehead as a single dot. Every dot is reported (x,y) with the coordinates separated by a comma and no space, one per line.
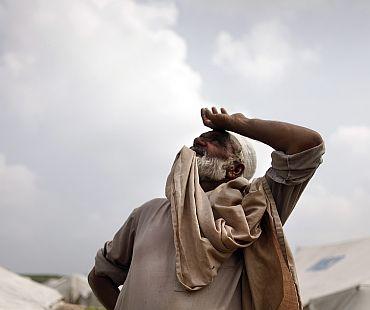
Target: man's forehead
(215,134)
(222,137)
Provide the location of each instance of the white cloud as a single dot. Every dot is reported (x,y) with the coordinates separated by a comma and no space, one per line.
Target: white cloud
(352,138)
(234,7)
(336,204)
(325,216)
(94,78)
(20,201)
(266,53)
(108,64)
(17,186)
(96,97)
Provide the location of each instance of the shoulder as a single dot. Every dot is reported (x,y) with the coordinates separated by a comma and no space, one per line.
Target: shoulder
(150,206)
(259,191)
(257,187)
(257,184)
(153,203)
(144,211)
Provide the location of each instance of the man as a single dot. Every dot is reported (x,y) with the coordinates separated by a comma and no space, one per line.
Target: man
(216,242)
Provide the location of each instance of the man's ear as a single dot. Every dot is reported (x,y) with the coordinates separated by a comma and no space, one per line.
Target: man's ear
(235,170)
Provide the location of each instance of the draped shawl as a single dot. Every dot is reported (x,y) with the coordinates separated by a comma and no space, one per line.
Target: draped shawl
(209,227)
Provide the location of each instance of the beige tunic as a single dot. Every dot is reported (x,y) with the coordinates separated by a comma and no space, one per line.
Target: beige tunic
(142,254)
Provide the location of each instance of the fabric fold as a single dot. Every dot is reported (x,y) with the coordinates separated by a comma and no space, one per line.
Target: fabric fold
(209,227)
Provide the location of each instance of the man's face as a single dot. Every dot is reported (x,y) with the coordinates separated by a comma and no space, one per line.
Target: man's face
(213,144)
(214,155)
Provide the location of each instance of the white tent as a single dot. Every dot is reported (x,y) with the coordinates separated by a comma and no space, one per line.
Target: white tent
(74,289)
(335,277)
(17,292)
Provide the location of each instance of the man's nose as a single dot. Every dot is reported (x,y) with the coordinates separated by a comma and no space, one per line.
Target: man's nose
(199,142)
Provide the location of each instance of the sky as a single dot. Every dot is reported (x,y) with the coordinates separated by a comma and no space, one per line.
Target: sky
(97,97)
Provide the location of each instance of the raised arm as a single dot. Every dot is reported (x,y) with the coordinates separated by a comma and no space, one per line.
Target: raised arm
(281,136)
(297,155)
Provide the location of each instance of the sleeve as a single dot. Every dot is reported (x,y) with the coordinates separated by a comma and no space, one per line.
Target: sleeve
(290,174)
(113,260)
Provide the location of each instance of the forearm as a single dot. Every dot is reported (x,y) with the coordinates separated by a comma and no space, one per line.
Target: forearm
(281,136)
(104,289)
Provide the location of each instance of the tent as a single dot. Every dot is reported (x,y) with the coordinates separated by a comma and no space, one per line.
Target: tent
(17,292)
(74,289)
(335,276)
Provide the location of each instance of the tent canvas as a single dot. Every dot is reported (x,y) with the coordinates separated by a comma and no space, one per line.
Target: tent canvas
(74,289)
(17,292)
(335,276)
(355,298)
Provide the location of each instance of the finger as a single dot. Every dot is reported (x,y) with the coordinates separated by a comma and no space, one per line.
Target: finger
(214,110)
(223,111)
(207,112)
(202,112)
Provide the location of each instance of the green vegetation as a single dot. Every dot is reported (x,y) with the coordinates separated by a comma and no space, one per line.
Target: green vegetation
(41,278)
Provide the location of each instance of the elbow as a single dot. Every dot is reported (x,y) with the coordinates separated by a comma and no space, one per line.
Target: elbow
(306,142)
(316,139)
(313,140)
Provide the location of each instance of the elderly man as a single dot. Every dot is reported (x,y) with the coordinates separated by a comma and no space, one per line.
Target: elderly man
(216,242)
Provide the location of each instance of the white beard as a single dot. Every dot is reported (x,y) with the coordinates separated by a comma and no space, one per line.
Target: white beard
(211,168)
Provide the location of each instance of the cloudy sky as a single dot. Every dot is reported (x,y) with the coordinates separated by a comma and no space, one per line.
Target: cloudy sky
(96,97)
